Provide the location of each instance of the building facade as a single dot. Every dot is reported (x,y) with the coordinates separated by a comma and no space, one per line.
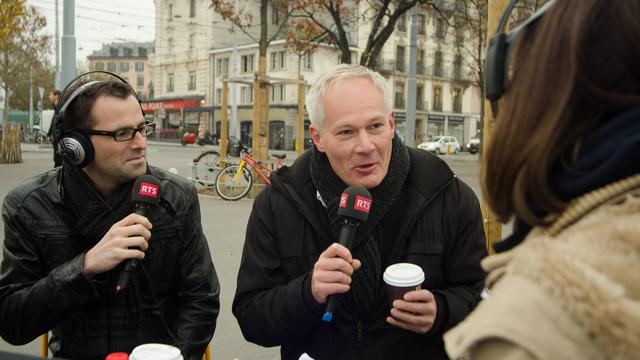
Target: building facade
(129,60)
(195,51)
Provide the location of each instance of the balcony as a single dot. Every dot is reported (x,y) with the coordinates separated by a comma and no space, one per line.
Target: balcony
(421,105)
(399,103)
(438,71)
(421,68)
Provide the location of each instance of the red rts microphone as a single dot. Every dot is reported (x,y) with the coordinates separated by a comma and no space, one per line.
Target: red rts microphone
(354,207)
(145,195)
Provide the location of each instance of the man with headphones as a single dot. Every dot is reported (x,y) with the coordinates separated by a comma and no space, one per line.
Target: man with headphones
(70,231)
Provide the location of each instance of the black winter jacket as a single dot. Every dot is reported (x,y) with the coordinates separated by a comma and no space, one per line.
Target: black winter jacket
(439,228)
(42,287)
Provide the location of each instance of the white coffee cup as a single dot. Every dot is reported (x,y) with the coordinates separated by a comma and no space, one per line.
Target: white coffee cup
(156,352)
(402,277)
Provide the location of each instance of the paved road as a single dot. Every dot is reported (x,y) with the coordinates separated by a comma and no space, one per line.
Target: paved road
(223,223)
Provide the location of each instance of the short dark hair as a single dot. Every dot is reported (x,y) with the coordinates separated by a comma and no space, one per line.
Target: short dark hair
(78,113)
(570,72)
(55,92)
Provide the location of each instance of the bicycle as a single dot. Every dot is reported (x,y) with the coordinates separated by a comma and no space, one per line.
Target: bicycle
(234,181)
(205,168)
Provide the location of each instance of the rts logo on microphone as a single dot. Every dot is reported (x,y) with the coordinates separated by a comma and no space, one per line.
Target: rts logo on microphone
(362,204)
(147,189)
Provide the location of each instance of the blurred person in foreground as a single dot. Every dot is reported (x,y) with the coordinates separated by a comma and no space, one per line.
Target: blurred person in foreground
(564,164)
(421,213)
(70,230)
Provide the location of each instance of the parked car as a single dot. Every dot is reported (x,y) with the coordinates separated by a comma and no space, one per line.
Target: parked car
(441,145)
(473,146)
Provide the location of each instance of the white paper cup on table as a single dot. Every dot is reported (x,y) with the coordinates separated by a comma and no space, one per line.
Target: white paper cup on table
(401,278)
(156,352)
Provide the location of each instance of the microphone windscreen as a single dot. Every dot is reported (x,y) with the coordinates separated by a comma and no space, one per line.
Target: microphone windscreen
(146,190)
(355,203)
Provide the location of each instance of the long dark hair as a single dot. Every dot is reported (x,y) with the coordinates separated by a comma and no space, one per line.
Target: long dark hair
(578,64)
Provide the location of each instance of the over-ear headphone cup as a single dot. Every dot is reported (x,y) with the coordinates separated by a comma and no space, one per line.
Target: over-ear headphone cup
(76,148)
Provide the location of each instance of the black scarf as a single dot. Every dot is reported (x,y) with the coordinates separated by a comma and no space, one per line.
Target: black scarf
(367,281)
(113,317)
(607,155)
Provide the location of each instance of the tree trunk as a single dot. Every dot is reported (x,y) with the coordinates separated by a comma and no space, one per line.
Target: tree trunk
(10,152)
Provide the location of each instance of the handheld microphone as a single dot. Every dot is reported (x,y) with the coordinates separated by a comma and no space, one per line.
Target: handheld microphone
(145,195)
(354,207)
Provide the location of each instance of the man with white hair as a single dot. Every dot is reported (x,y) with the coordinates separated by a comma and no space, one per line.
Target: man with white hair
(421,214)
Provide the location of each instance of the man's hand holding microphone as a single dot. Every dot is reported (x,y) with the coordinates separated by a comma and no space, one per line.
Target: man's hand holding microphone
(128,239)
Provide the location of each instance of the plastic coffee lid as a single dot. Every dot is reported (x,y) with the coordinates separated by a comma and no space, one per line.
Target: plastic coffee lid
(156,352)
(403,275)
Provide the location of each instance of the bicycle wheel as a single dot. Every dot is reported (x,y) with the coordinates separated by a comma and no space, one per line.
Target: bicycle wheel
(205,168)
(232,187)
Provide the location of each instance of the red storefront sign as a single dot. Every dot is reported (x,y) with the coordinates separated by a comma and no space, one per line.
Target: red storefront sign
(152,106)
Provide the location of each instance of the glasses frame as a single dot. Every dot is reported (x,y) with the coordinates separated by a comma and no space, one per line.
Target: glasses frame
(113,134)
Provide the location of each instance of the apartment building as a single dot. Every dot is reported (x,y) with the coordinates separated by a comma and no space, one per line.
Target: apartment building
(129,60)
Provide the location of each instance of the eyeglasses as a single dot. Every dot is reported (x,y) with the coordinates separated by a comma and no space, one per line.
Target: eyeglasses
(124,134)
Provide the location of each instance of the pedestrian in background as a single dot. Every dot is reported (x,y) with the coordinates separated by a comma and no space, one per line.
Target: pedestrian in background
(564,164)
(54,96)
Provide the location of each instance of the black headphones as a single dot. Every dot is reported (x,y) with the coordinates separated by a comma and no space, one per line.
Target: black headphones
(499,50)
(74,146)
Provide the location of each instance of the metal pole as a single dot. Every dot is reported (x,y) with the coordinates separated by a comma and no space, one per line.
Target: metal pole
(30,100)
(68,42)
(300,122)
(58,78)
(410,122)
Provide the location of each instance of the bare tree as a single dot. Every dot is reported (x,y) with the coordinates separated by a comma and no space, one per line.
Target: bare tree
(22,46)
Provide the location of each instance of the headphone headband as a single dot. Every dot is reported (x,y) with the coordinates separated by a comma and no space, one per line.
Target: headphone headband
(499,51)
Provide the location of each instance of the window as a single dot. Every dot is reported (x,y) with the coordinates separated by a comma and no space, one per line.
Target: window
(192,80)
(422,29)
(219,96)
(246,95)
(142,51)
(111,66)
(400,50)
(99,66)
(113,51)
(222,67)
(128,52)
(438,69)
(457,68)
(402,23)
(192,8)
(441,30)
(192,41)
(139,66)
(246,63)
(277,93)
(459,37)
(437,98)
(170,12)
(420,97)
(124,66)
(275,15)
(420,61)
(307,61)
(170,45)
(278,60)
(140,80)
(457,100)
(399,95)
(169,82)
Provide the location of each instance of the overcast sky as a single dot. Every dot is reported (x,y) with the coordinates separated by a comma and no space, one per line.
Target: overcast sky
(99,22)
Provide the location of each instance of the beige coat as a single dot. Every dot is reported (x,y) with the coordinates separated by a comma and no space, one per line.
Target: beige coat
(569,291)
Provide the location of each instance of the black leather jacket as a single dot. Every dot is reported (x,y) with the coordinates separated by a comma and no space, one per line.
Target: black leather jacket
(42,288)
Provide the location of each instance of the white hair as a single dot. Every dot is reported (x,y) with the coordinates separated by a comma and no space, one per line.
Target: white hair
(315,95)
